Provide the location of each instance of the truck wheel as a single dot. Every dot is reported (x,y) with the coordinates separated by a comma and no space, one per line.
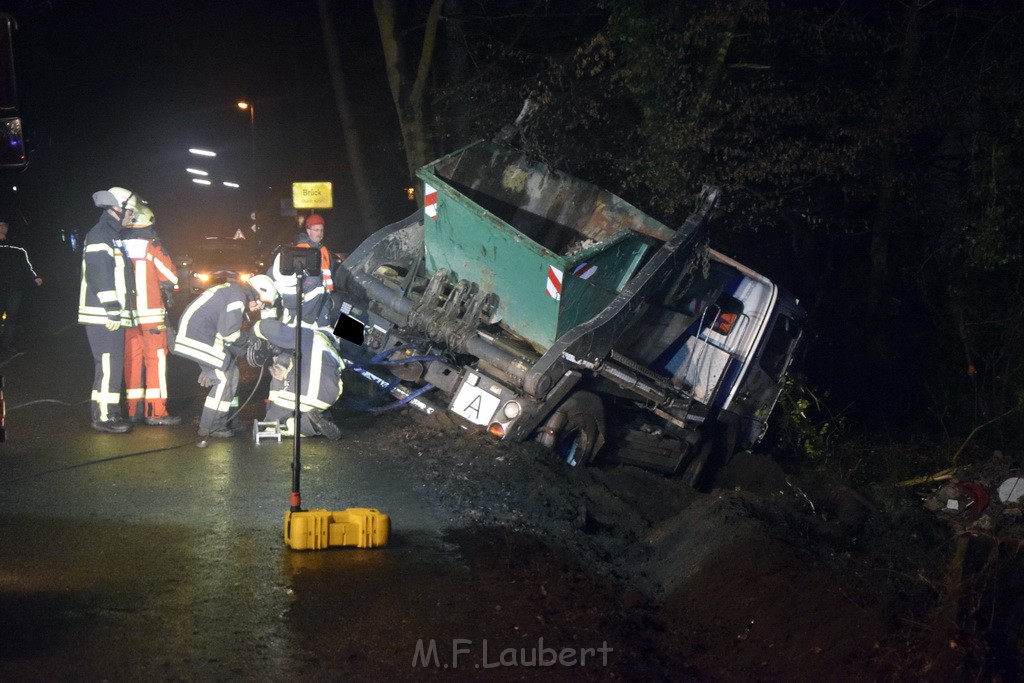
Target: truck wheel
(580,439)
(576,442)
(713,452)
(694,468)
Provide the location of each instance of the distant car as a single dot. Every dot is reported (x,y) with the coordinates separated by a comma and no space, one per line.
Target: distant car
(217,260)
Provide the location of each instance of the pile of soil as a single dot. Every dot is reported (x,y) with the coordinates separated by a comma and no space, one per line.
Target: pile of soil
(765,577)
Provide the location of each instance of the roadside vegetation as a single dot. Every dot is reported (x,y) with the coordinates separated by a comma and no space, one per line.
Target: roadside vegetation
(871,157)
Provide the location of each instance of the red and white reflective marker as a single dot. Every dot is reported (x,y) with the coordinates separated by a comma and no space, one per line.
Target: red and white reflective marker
(584,270)
(554,288)
(430,201)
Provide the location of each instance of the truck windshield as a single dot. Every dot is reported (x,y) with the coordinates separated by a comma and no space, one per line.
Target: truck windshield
(703,292)
(779,347)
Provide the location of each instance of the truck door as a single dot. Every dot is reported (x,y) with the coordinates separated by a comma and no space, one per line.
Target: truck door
(761,387)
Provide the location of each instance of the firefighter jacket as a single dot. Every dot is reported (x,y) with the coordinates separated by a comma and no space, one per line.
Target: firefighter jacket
(320,383)
(211,323)
(315,287)
(153,270)
(106,290)
(16,272)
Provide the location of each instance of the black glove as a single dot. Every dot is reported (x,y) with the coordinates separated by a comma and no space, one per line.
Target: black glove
(167,294)
(241,344)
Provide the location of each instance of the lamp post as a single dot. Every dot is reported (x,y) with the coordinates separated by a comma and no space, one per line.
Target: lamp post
(243,105)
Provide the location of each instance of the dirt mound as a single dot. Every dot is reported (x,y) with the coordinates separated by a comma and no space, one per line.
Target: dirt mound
(764,576)
(639,528)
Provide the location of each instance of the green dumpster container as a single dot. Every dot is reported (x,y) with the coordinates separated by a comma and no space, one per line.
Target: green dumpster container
(554,249)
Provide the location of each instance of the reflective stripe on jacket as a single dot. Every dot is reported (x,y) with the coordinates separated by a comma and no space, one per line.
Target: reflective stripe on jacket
(16,271)
(321,383)
(105,289)
(151,266)
(314,290)
(210,323)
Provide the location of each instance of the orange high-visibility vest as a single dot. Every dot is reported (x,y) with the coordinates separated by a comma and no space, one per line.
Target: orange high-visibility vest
(151,266)
(325,267)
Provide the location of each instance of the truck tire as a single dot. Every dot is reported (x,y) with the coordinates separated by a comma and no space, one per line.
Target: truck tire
(695,464)
(712,453)
(580,439)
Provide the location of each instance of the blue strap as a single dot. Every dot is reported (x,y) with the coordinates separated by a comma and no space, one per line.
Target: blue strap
(381,359)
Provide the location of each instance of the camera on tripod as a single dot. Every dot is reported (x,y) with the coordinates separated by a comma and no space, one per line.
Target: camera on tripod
(300,261)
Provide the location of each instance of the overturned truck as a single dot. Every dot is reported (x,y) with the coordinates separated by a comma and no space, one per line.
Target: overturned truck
(531,304)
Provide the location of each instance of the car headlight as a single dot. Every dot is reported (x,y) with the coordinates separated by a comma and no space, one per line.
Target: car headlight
(202,277)
(244,277)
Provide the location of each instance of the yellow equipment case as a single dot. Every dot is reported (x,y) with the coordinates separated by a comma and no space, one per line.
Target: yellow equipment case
(318,529)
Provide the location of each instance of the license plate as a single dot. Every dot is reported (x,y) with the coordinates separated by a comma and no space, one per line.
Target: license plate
(475,404)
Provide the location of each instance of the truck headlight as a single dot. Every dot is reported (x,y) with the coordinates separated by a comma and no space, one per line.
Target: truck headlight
(512,410)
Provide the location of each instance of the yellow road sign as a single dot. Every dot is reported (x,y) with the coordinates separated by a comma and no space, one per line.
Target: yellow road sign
(312,196)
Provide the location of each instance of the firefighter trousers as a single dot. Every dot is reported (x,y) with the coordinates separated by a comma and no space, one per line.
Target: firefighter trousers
(108,359)
(145,371)
(286,418)
(281,403)
(221,400)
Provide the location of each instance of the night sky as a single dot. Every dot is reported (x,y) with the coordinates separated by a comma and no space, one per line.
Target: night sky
(115,92)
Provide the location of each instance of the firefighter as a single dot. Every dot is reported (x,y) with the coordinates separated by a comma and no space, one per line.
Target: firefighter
(320,384)
(210,333)
(316,287)
(104,305)
(145,345)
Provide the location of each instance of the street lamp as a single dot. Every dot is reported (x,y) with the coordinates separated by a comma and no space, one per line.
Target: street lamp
(243,105)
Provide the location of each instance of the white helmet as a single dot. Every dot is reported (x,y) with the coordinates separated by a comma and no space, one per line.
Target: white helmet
(143,217)
(104,200)
(127,199)
(265,288)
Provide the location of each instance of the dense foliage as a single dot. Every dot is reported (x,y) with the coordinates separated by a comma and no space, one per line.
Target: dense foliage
(870,155)
(871,160)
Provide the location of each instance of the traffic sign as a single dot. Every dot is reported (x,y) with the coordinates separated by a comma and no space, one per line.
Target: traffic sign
(312,196)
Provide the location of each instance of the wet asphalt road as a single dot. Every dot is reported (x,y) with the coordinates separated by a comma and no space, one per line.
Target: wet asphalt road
(145,557)
(142,555)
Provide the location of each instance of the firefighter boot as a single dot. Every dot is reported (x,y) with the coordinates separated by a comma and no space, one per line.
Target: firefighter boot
(164,421)
(114,426)
(325,425)
(216,433)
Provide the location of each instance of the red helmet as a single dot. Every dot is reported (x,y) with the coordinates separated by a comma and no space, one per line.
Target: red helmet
(314,219)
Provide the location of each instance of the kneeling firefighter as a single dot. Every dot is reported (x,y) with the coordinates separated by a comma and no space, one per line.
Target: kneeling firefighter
(319,387)
(210,333)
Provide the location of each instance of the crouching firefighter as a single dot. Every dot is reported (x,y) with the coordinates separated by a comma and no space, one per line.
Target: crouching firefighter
(319,387)
(209,333)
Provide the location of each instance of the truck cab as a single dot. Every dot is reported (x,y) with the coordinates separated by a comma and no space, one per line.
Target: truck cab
(531,304)
(728,341)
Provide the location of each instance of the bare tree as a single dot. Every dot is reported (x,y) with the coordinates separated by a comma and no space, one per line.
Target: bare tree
(408,93)
(353,148)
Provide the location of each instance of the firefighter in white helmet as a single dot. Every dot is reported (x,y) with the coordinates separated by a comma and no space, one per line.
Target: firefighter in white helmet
(319,386)
(145,345)
(210,333)
(104,305)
